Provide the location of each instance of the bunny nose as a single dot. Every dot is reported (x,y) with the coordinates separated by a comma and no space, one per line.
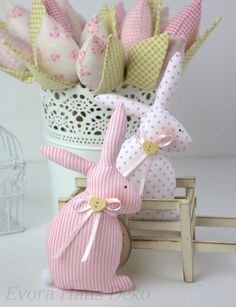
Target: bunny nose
(97,204)
(150,147)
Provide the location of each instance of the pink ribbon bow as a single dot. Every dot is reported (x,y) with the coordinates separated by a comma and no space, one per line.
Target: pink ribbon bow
(89,211)
(163,141)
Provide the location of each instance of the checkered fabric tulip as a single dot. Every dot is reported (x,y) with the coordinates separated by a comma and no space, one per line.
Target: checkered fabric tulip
(56,12)
(137,25)
(186,23)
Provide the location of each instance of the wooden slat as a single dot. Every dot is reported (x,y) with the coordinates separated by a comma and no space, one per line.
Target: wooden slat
(193,226)
(62,201)
(157,245)
(154,225)
(186,182)
(186,242)
(211,221)
(154,235)
(214,246)
(190,193)
(164,204)
(193,207)
(80,182)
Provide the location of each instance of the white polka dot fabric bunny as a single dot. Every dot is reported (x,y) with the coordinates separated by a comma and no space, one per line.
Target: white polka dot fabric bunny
(144,157)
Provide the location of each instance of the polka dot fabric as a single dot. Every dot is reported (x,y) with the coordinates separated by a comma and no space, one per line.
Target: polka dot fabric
(177,44)
(153,175)
(137,25)
(104,181)
(187,23)
(158,215)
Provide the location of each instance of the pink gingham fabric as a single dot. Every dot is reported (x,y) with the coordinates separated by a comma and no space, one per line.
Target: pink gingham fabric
(164,18)
(8,58)
(137,25)
(56,12)
(17,20)
(98,272)
(186,23)
(120,14)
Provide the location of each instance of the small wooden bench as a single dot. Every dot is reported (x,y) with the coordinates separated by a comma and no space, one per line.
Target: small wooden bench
(176,235)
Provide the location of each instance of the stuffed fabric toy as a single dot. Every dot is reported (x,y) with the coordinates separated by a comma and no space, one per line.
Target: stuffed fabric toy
(77,22)
(164,18)
(186,23)
(94,27)
(57,51)
(176,44)
(8,58)
(137,25)
(120,14)
(91,62)
(57,13)
(143,158)
(84,240)
(17,20)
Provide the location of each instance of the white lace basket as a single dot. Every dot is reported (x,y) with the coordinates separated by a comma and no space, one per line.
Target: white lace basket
(74,121)
(12,183)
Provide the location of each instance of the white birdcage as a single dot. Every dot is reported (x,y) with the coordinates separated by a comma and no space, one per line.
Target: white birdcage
(12,182)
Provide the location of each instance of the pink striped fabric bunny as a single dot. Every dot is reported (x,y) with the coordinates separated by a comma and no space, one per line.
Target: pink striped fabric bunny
(143,158)
(84,240)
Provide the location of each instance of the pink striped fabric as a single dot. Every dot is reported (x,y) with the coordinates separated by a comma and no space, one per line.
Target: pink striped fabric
(187,23)
(98,272)
(56,12)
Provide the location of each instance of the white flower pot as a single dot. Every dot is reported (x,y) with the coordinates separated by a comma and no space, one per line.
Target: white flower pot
(75,122)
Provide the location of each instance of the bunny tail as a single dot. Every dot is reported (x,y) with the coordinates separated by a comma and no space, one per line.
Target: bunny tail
(46,277)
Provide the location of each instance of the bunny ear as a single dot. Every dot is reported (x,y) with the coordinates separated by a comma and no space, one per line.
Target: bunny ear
(165,140)
(133,108)
(169,82)
(67,159)
(114,136)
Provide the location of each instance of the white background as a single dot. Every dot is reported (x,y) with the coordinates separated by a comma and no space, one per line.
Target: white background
(205,103)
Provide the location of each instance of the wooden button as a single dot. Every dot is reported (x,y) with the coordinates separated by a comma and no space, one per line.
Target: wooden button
(97,204)
(150,147)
